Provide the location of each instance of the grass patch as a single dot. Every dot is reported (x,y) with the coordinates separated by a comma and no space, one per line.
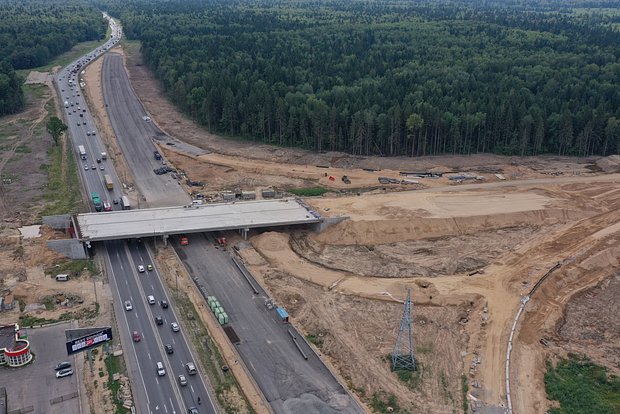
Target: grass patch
(115,365)
(582,387)
(210,357)
(315,339)
(308,192)
(28,321)
(23,149)
(464,390)
(413,379)
(73,267)
(382,402)
(63,190)
(35,91)
(49,303)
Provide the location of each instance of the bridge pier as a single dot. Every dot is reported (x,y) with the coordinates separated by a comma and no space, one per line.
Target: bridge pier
(164,237)
(245,232)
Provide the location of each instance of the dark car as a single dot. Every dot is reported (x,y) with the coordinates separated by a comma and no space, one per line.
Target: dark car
(159,320)
(168,349)
(115,201)
(164,304)
(62,365)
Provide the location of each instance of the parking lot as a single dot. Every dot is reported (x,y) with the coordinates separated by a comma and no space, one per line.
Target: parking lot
(35,388)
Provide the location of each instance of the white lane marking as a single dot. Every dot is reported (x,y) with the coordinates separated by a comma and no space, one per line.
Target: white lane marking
(165,408)
(149,354)
(191,387)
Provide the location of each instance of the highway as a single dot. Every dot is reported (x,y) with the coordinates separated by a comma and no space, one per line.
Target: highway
(290,383)
(135,135)
(152,393)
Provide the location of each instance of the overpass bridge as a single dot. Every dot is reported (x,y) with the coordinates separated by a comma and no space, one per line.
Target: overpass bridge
(164,221)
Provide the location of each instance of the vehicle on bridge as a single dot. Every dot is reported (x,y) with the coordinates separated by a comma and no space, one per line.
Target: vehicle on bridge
(96,201)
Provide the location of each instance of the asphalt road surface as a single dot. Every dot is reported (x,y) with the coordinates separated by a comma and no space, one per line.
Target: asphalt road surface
(290,383)
(161,393)
(135,136)
(152,393)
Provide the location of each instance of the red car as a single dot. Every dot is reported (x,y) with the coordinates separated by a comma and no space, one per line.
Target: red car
(136,336)
(107,206)
(184,241)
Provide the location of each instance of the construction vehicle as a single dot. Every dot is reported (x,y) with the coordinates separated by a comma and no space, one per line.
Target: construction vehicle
(345,179)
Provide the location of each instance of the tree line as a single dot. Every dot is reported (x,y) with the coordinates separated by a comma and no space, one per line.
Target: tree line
(32,32)
(389,77)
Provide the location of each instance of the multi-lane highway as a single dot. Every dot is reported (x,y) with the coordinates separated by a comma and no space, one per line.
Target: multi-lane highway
(135,134)
(153,393)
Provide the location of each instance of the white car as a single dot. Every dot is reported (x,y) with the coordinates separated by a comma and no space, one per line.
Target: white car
(175,327)
(86,167)
(141,269)
(128,306)
(64,373)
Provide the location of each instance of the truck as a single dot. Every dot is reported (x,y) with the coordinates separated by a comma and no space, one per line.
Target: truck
(109,184)
(125,203)
(104,156)
(96,201)
(157,155)
(82,152)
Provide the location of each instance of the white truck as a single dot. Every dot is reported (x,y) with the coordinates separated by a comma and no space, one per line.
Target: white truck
(82,152)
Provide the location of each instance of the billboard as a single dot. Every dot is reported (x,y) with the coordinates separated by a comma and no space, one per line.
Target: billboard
(89,341)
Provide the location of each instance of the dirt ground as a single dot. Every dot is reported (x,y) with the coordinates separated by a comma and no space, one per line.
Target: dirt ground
(467,252)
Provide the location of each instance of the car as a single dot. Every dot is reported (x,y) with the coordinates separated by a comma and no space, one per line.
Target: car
(150,299)
(88,133)
(175,327)
(101,167)
(92,132)
(98,160)
(160,369)
(169,349)
(107,206)
(64,373)
(93,167)
(192,410)
(141,269)
(78,124)
(184,241)
(135,335)
(159,320)
(62,365)
(182,380)
(84,123)
(81,115)
(149,267)
(164,304)
(115,201)
(86,167)
(128,305)
(191,368)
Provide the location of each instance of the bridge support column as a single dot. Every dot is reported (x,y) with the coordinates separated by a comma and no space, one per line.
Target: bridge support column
(164,237)
(245,233)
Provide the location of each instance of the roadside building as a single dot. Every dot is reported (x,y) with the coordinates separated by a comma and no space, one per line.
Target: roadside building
(14,347)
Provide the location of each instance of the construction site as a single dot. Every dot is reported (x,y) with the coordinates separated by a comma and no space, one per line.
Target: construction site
(462,256)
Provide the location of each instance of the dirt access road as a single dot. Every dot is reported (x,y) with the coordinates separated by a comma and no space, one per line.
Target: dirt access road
(506,231)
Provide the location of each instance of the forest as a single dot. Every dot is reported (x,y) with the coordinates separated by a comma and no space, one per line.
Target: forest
(389,77)
(32,32)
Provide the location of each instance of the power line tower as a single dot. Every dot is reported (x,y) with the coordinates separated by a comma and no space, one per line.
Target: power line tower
(402,359)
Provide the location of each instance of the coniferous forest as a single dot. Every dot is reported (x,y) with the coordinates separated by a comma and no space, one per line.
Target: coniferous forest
(32,32)
(390,77)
